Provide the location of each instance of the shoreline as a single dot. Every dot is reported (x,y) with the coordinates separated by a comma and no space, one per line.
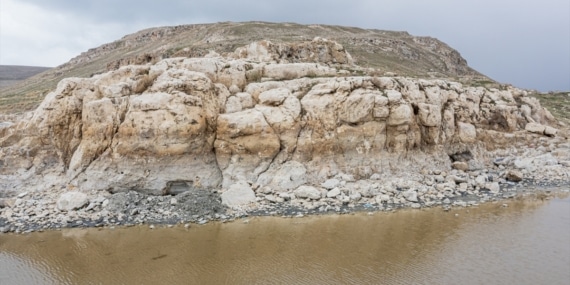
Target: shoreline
(524,190)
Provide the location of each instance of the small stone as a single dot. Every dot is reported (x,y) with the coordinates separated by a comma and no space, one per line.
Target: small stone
(439,178)
(355,197)
(22,195)
(375,176)
(6,203)
(514,176)
(382,198)
(416,205)
(90,206)
(271,198)
(460,203)
(459,179)
(173,201)
(333,193)
(502,161)
(411,195)
(494,187)
(481,180)
(286,196)
(151,227)
(446,201)
(550,131)
(460,165)
(535,128)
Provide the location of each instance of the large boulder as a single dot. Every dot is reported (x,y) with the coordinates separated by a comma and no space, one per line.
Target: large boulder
(239,194)
(308,192)
(71,201)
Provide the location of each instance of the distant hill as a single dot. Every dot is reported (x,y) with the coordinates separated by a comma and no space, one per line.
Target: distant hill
(12,74)
(385,51)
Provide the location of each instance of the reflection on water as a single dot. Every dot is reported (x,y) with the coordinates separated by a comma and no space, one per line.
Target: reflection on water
(525,243)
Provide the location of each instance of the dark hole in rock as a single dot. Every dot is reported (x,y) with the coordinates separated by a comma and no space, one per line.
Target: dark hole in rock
(463,156)
(177,187)
(416,109)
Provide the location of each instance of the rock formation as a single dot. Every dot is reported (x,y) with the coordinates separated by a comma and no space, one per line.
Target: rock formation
(281,119)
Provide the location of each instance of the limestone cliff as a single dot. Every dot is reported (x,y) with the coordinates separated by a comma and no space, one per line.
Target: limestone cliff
(254,119)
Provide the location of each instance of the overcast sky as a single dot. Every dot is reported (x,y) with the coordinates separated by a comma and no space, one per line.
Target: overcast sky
(522,42)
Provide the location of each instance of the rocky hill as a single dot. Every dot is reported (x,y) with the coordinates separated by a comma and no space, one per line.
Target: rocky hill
(385,51)
(12,74)
(275,127)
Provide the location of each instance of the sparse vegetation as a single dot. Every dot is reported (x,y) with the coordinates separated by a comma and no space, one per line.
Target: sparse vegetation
(311,74)
(558,103)
(144,83)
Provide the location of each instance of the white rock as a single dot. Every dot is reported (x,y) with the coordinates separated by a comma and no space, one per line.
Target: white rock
(382,198)
(288,176)
(524,163)
(550,131)
(233,104)
(375,176)
(430,115)
(308,192)
(245,99)
(274,97)
(355,197)
(493,187)
(272,198)
(331,183)
(238,194)
(535,128)
(467,132)
(72,201)
(285,195)
(481,180)
(333,193)
(411,195)
(399,115)
(393,96)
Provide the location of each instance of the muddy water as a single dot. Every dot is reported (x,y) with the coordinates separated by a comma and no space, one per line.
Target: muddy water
(525,243)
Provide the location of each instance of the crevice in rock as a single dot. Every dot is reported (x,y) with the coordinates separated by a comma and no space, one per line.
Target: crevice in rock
(178,186)
(462,156)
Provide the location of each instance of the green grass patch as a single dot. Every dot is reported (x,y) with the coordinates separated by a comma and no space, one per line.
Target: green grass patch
(558,103)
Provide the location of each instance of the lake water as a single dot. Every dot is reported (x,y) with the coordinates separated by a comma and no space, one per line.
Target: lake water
(527,242)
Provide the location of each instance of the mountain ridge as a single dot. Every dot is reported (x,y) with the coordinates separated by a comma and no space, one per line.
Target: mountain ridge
(383,51)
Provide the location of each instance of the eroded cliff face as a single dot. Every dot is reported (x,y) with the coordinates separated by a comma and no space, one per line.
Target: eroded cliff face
(253,119)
